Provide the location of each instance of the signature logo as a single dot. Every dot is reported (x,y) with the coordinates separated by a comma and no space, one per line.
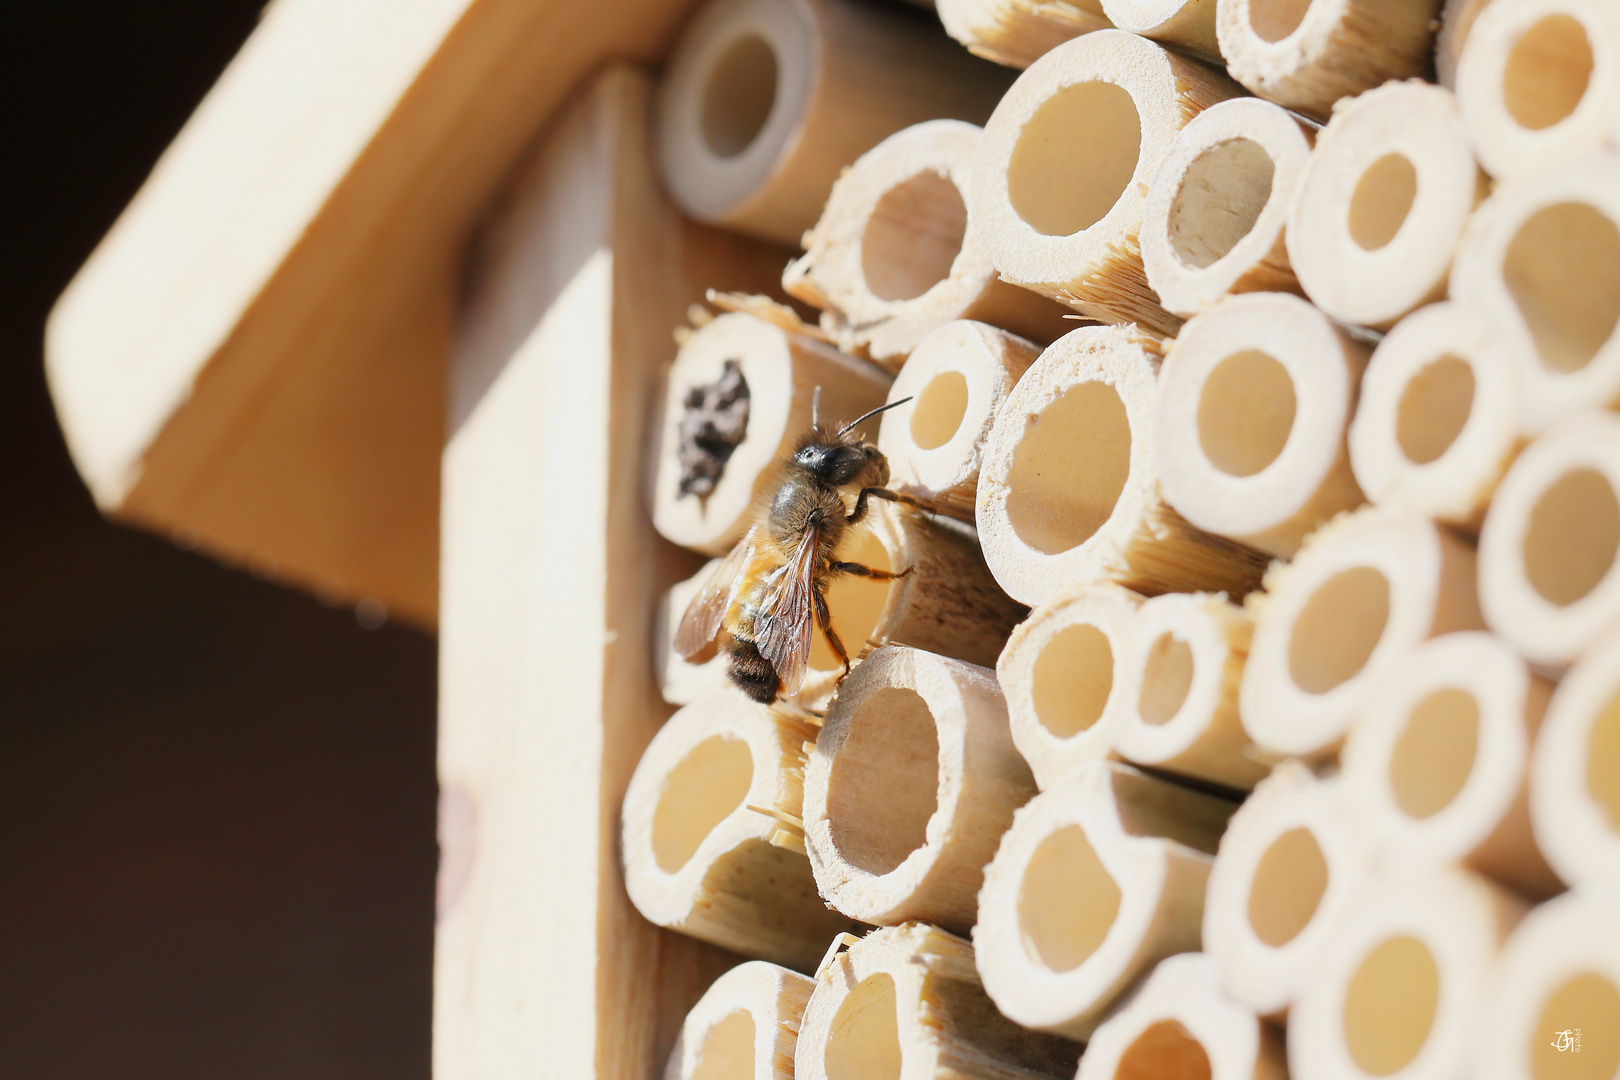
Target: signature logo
(1567,1040)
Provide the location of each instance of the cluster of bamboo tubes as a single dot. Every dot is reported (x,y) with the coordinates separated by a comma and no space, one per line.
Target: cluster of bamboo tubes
(1307,756)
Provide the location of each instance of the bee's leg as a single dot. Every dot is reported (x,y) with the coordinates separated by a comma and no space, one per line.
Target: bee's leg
(884,493)
(824,620)
(868,572)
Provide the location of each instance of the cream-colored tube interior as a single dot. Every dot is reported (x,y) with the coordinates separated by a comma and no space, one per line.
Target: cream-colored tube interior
(938,411)
(709,783)
(1220,198)
(1274,20)
(1433,409)
(854,604)
(1245,412)
(1382,199)
(1166,678)
(863,1041)
(1067,901)
(913,237)
(1603,762)
(1573,536)
(1165,1051)
(1547,72)
(1338,629)
(1432,758)
(1389,1005)
(884,784)
(1070,468)
(1563,271)
(738,96)
(1060,184)
(1587,1003)
(1073,676)
(728,1049)
(1288,885)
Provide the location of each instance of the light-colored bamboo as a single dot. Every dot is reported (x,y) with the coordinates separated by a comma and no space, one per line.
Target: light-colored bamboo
(1456,22)
(1292,865)
(1365,589)
(1180,1025)
(1098,879)
(682,680)
(1553,1008)
(1438,764)
(1185,24)
(1309,55)
(1019,32)
(892,256)
(764,101)
(744,1027)
(1575,772)
(1548,580)
(1217,210)
(1538,82)
(1069,489)
(1060,180)
(1383,203)
(904,1003)
(957,377)
(1178,691)
(712,841)
(1438,422)
(1251,416)
(913,779)
(1543,256)
(781,371)
(1399,986)
(1061,674)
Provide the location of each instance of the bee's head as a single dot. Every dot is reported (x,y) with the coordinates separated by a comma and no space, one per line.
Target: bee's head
(837,463)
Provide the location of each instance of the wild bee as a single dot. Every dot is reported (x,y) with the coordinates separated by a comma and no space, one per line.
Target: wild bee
(761,599)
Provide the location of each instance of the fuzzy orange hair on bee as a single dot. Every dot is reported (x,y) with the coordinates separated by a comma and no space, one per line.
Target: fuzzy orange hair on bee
(763,599)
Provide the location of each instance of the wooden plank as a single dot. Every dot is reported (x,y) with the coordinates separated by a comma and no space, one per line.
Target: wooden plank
(552,573)
(253,359)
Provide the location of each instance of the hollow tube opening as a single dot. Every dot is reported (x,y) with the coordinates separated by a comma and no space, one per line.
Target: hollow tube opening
(710,782)
(1389,1005)
(1573,536)
(1073,676)
(1070,468)
(738,96)
(1287,887)
(1164,1051)
(1603,762)
(1577,1034)
(863,1041)
(913,237)
(884,785)
(1075,158)
(1274,20)
(1547,72)
(1562,269)
(1221,196)
(854,604)
(937,413)
(1339,628)
(1382,200)
(1246,413)
(1067,901)
(1433,409)
(1166,678)
(1434,754)
(728,1049)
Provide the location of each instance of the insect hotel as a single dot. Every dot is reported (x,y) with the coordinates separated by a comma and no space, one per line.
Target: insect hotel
(1234,688)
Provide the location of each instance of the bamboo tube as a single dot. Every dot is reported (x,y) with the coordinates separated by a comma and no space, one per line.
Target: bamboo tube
(1438,420)
(1185,24)
(1178,691)
(1290,868)
(682,680)
(1180,1025)
(1366,589)
(744,1027)
(1019,32)
(904,1003)
(1399,986)
(1547,552)
(1437,764)
(912,782)
(1575,772)
(1069,490)
(1060,179)
(1060,672)
(1251,417)
(711,835)
(764,101)
(739,396)
(1538,82)
(1456,23)
(1098,879)
(1383,203)
(1553,1006)
(1543,256)
(1309,55)
(1218,207)
(892,257)
(958,376)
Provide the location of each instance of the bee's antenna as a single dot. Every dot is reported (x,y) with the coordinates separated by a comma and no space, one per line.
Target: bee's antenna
(815,408)
(867,416)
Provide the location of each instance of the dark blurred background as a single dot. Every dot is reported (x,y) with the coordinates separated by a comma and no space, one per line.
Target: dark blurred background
(216,794)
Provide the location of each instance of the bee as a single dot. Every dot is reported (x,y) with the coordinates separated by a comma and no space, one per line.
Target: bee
(761,600)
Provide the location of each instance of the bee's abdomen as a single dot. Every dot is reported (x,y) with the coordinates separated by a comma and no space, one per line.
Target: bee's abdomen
(752,673)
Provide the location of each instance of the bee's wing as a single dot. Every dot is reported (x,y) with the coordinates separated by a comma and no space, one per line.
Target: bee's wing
(704,614)
(782,630)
